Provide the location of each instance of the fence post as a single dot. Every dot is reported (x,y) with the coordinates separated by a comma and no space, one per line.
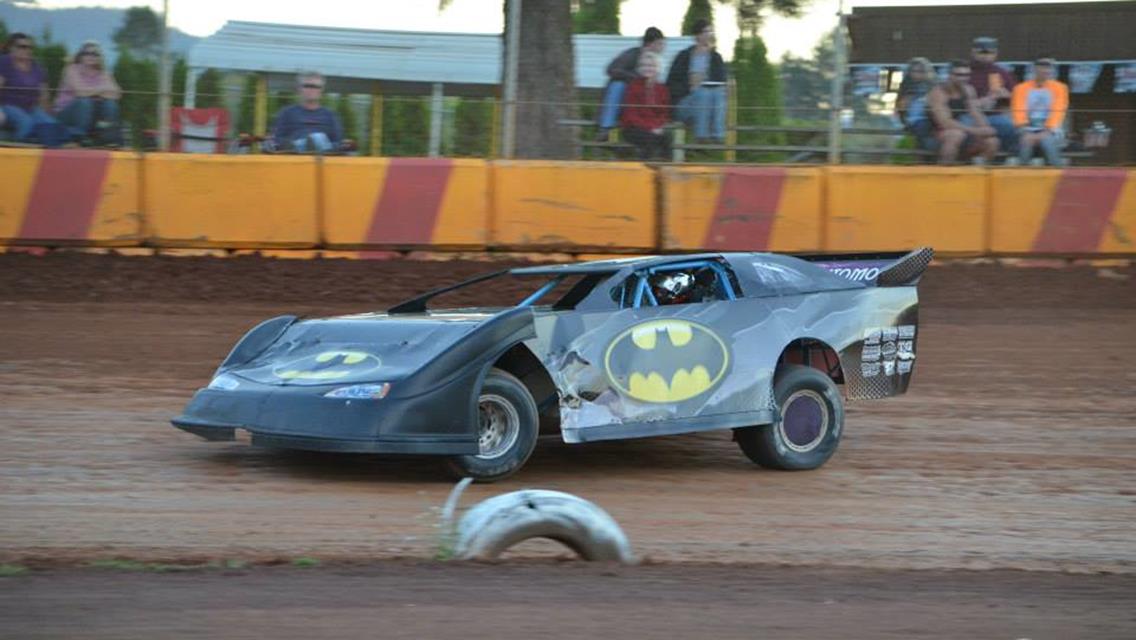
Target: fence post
(732,119)
(376,119)
(260,112)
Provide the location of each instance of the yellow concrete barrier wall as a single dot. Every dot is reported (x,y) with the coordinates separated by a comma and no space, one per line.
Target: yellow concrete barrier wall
(405,202)
(741,208)
(69,197)
(1063,211)
(230,201)
(573,205)
(897,208)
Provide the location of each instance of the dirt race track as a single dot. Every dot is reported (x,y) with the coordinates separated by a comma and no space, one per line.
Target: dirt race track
(1016,448)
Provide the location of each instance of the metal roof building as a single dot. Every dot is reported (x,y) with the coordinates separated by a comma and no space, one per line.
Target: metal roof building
(404,62)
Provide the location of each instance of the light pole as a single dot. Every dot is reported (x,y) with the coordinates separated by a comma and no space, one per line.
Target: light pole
(164,82)
(837,100)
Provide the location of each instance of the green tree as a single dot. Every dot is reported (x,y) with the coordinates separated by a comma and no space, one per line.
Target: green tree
(749,12)
(695,11)
(180,68)
(406,126)
(473,127)
(3,32)
(806,83)
(343,109)
(52,56)
(209,89)
(595,16)
(139,105)
(140,33)
(758,96)
(246,112)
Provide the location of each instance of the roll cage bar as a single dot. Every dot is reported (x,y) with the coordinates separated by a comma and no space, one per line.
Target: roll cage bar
(642,295)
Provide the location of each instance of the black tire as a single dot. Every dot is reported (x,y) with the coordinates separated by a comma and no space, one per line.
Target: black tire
(812,433)
(502,398)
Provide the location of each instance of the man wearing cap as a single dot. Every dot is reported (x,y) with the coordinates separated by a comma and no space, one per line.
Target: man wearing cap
(1039,107)
(994,86)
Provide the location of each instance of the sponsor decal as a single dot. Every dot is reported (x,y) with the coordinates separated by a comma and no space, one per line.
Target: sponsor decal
(889,334)
(889,367)
(888,350)
(903,366)
(869,369)
(907,331)
(872,336)
(663,361)
(906,350)
(871,352)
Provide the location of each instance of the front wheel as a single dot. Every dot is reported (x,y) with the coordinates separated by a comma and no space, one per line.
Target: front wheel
(809,424)
(508,425)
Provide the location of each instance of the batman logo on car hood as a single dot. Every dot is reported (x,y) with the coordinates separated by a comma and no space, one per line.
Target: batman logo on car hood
(664,361)
(327,366)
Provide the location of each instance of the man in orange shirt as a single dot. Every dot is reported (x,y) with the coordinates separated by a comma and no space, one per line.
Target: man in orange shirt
(1039,107)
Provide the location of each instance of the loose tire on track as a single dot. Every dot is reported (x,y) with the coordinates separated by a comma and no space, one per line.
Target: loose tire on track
(494,525)
(508,425)
(810,423)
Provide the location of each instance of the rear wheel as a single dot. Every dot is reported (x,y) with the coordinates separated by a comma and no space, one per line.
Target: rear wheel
(809,425)
(507,429)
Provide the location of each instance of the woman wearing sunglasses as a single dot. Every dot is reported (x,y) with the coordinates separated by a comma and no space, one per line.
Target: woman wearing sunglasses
(23,88)
(87,100)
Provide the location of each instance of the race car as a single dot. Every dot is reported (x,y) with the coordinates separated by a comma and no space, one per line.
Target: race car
(764,344)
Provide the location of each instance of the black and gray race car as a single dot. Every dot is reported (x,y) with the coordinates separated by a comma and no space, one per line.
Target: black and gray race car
(767,345)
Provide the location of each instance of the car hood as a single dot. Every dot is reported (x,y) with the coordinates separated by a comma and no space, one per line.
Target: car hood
(359,348)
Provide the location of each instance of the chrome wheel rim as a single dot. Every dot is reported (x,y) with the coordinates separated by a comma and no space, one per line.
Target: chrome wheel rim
(804,421)
(499,426)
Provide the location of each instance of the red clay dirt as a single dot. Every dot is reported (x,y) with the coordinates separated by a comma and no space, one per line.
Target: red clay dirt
(1015,449)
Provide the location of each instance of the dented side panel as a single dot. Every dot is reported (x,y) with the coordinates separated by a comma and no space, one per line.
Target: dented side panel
(693,367)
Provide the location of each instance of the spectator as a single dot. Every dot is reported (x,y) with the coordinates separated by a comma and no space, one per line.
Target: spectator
(993,85)
(307,126)
(959,123)
(1038,108)
(88,95)
(23,88)
(697,85)
(621,71)
(647,110)
(911,105)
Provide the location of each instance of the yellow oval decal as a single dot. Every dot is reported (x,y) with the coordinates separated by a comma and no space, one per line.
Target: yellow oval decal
(328,366)
(663,361)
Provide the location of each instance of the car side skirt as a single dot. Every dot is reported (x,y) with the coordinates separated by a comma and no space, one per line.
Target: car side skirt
(629,430)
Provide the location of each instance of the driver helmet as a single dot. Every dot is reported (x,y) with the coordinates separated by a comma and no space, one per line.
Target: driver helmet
(672,288)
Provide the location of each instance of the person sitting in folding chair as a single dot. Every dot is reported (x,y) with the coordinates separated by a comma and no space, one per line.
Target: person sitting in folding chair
(307,126)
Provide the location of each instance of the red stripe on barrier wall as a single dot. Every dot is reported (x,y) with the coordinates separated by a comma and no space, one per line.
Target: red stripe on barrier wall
(407,208)
(65,195)
(746,209)
(1082,205)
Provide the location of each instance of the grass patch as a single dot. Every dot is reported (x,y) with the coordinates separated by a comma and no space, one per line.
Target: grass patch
(305,561)
(118,564)
(7,570)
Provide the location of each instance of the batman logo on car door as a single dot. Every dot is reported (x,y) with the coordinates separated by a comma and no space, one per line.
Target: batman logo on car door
(664,361)
(328,366)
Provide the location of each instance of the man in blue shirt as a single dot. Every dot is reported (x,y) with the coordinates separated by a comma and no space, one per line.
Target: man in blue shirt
(307,126)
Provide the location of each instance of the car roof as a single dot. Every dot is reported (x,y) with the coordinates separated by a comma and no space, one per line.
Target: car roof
(611,265)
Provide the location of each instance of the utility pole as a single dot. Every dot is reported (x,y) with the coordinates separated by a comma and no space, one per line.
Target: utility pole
(512,49)
(164,82)
(837,101)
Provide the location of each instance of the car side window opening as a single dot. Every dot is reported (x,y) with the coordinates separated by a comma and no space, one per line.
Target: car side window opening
(681,283)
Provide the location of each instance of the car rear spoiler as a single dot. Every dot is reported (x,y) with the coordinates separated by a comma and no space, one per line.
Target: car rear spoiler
(892,269)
